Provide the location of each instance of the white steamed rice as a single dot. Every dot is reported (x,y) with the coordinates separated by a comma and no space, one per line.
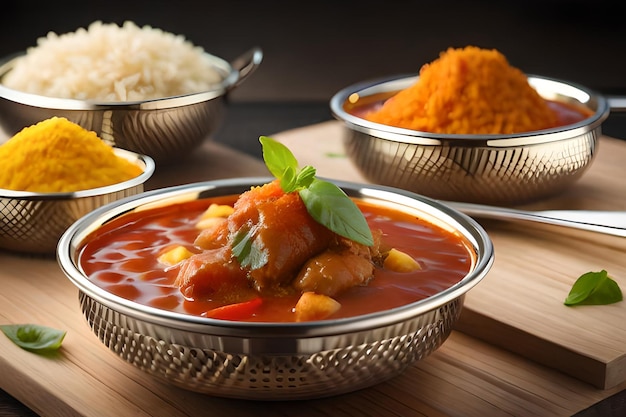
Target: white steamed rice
(112,63)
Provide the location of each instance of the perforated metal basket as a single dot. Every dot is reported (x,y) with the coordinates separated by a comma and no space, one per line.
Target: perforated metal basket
(271,361)
(33,222)
(261,366)
(490,169)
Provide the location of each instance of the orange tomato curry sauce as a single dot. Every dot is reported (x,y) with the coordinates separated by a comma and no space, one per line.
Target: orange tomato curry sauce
(121,257)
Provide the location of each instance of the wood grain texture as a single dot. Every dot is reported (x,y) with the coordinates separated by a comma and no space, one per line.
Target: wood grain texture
(519,305)
(465,377)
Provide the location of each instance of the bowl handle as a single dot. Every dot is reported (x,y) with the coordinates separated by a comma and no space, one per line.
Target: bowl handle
(617,103)
(246,64)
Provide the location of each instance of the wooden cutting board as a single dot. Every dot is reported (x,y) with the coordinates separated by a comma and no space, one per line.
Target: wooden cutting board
(519,306)
(465,377)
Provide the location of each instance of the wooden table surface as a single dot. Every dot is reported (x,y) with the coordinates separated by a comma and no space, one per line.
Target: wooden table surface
(467,376)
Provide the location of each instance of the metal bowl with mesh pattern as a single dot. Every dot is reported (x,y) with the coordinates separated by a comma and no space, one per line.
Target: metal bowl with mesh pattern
(165,129)
(271,361)
(33,222)
(489,169)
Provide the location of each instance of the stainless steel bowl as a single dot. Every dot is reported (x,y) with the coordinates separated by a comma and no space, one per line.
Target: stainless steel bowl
(271,361)
(490,169)
(165,129)
(32,222)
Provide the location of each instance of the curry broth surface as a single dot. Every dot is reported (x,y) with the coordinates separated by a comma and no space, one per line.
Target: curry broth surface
(121,257)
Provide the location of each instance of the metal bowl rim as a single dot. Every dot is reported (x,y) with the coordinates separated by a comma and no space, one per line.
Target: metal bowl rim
(72,239)
(148,169)
(230,77)
(398,134)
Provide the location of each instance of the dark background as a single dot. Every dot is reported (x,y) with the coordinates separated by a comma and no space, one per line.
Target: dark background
(313,49)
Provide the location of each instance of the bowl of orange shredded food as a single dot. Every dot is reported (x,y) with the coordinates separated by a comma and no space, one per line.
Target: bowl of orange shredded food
(471,127)
(54,172)
(139,88)
(274,288)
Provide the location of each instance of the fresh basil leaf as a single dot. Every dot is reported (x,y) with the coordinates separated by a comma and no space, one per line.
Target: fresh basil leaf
(289,180)
(325,202)
(594,288)
(278,158)
(247,250)
(306,176)
(241,244)
(34,337)
(331,207)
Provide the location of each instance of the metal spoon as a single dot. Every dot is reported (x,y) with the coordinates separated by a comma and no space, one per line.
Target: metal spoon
(607,222)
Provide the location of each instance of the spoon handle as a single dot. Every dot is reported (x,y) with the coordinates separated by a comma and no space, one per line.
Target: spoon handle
(607,222)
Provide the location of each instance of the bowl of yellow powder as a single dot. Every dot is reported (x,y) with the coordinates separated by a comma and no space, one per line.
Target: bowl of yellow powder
(139,88)
(470,127)
(53,173)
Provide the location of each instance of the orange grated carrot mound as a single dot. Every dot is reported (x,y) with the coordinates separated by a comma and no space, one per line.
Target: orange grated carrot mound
(468,91)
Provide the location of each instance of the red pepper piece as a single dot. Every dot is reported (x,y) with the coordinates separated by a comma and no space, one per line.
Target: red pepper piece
(237,311)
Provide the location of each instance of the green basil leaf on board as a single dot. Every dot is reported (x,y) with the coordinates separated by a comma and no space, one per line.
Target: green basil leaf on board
(34,337)
(594,288)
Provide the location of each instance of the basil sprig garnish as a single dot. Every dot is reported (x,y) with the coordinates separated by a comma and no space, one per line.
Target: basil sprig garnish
(326,203)
(594,288)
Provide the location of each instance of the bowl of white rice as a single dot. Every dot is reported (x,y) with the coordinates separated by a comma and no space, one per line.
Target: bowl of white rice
(139,88)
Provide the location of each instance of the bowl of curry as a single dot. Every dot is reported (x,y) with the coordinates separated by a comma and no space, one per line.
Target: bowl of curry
(303,313)
(470,127)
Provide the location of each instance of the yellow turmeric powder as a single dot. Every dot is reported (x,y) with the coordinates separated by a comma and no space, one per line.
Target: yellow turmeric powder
(57,155)
(468,91)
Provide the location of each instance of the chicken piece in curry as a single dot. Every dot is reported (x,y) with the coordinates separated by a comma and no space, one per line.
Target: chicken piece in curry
(293,252)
